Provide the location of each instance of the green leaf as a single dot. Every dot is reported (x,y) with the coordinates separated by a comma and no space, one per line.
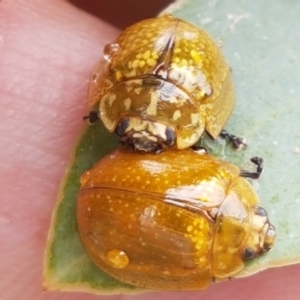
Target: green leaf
(261,43)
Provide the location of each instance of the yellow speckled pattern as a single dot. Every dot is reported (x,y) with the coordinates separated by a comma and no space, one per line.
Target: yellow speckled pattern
(171,221)
(178,53)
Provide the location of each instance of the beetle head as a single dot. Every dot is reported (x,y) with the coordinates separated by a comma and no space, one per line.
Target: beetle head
(145,135)
(262,234)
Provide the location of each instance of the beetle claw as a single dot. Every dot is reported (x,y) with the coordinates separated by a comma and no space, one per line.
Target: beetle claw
(258,161)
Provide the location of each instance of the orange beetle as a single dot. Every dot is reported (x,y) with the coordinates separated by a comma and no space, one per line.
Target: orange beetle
(165,82)
(174,221)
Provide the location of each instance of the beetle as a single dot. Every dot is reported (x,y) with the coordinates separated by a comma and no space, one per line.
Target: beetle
(177,220)
(164,83)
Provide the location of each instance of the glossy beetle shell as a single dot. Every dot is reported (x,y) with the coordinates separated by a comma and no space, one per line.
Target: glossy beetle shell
(165,82)
(174,220)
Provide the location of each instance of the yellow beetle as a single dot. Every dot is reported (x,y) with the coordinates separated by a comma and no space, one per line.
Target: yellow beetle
(174,221)
(165,82)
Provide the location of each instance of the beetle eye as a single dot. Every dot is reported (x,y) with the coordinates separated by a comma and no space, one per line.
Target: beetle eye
(249,254)
(260,211)
(170,135)
(122,126)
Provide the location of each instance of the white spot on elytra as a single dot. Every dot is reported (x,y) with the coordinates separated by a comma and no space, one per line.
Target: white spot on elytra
(111,98)
(195,118)
(152,108)
(176,115)
(127,103)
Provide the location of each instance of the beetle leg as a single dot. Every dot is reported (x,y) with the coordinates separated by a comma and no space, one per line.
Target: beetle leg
(158,150)
(198,148)
(92,117)
(258,161)
(237,142)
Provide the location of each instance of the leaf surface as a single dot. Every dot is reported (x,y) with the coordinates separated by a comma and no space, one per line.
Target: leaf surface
(261,44)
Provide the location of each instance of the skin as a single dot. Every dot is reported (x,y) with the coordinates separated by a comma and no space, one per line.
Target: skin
(47,52)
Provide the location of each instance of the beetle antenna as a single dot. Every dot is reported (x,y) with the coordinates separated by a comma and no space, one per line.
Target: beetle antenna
(92,117)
